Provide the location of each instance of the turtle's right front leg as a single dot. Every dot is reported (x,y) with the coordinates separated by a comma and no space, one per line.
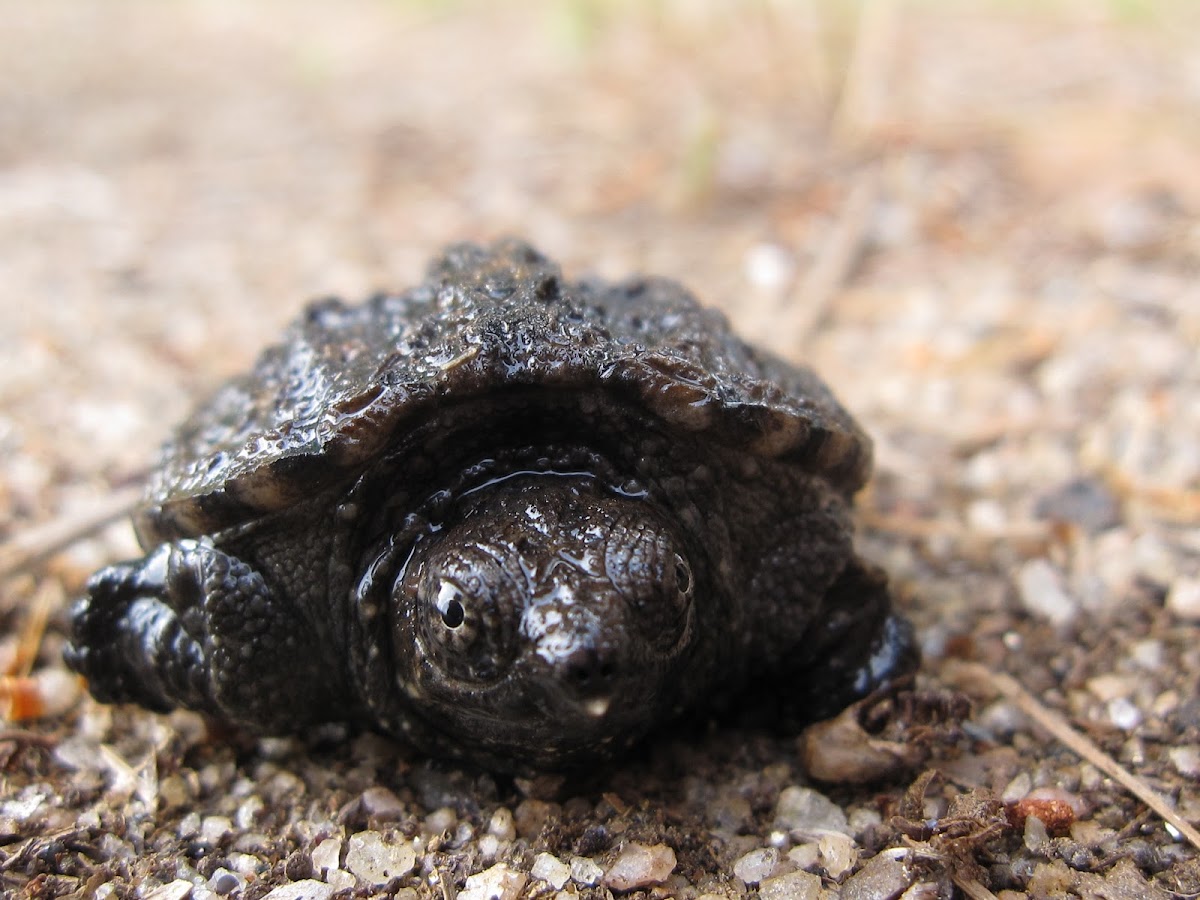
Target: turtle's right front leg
(192,626)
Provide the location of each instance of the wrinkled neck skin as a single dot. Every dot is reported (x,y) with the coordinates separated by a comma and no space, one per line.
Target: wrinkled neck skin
(536,614)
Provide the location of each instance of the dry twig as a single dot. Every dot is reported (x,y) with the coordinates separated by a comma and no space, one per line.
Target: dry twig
(1060,728)
(973,888)
(820,286)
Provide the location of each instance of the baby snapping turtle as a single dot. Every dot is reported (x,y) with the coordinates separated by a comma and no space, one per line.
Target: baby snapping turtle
(511,519)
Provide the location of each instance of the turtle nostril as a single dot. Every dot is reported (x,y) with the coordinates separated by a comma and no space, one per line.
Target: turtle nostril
(587,669)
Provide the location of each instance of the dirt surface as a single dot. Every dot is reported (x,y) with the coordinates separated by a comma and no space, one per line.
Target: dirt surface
(978,221)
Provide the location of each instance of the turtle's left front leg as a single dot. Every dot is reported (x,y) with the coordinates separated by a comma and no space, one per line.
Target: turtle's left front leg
(192,626)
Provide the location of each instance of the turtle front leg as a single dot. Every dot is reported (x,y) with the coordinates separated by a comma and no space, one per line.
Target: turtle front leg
(192,626)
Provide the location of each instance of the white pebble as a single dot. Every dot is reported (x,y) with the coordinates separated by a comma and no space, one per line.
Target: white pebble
(497,883)
(376,862)
(550,868)
(1124,714)
(340,880)
(639,865)
(585,871)
(1147,654)
(810,812)
(805,856)
(213,828)
(1186,760)
(440,820)
(489,846)
(1184,599)
(1021,785)
(382,803)
(327,856)
(987,517)
(174,890)
(1040,587)
(838,852)
(501,824)
(792,886)
(308,889)
(757,865)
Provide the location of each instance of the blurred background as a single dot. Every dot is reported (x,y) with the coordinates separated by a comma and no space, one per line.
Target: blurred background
(913,195)
(977,219)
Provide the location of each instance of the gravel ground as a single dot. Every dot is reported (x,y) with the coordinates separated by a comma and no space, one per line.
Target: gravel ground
(978,221)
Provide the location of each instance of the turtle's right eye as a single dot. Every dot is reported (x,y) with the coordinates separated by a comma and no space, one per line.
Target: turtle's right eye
(450,604)
(467,616)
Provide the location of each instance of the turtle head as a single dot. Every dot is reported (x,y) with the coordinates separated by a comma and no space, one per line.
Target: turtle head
(546,624)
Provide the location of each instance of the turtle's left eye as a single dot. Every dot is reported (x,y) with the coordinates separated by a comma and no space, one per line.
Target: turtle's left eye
(683,576)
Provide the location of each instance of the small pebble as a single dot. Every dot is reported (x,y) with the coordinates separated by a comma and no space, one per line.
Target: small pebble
(377,862)
(529,817)
(1041,591)
(1186,760)
(1016,789)
(838,853)
(551,869)
(341,880)
(885,875)
(248,812)
(225,882)
(1036,836)
(497,883)
(327,856)
(501,824)
(440,820)
(382,804)
(1086,502)
(792,886)
(757,865)
(489,846)
(805,856)
(245,864)
(308,889)
(585,871)
(1183,599)
(810,812)
(639,865)
(214,828)
(1124,714)
(174,890)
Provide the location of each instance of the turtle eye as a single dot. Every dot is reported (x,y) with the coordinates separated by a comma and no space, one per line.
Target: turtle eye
(683,576)
(449,604)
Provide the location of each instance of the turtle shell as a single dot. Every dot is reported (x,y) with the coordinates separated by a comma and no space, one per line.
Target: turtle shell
(347,381)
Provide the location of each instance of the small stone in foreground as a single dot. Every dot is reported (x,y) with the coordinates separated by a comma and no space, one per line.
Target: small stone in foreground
(376,862)
(550,868)
(308,889)
(172,890)
(327,856)
(757,865)
(885,875)
(585,871)
(1040,587)
(639,865)
(1186,760)
(497,883)
(809,811)
(792,886)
